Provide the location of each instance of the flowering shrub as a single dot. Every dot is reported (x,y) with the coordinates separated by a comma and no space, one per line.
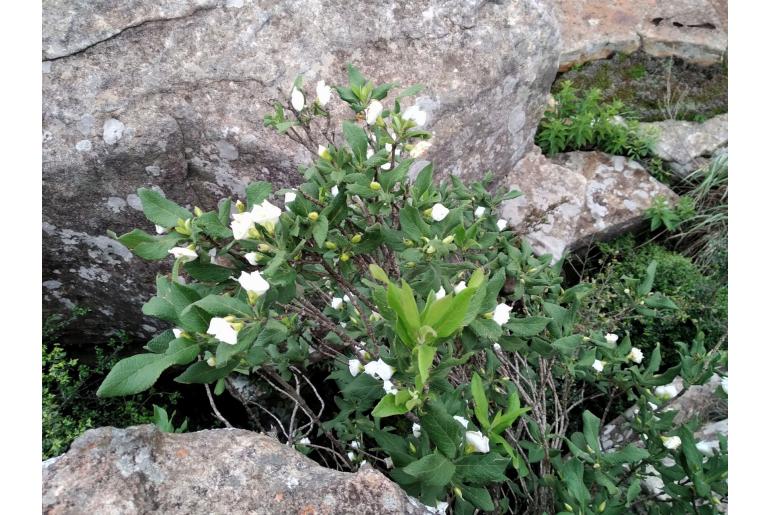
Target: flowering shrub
(453,348)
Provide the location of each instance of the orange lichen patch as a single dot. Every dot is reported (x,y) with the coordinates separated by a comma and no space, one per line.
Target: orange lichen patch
(182,453)
(307,510)
(279,497)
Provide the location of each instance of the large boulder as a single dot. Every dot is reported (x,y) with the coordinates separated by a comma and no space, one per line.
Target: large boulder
(171,94)
(141,470)
(575,198)
(693,30)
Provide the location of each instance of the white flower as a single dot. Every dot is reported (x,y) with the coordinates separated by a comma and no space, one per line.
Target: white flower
(251,257)
(379,370)
(666,392)
(440,508)
(636,355)
(441,293)
(419,149)
(241,224)
(416,430)
(254,283)
(496,347)
(373,111)
(177,332)
(611,338)
(480,211)
(724,384)
(388,463)
(707,448)
(297,99)
(266,215)
(346,298)
(323,92)
(323,153)
(502,224)
(355,367)
(387,385)
(336,302)
(502,314)
(438,212)
(305,441)
(351,456)
(460,287)
(160,229)
(477,441)
(385,166)
(598,365)
(290,196)
(183,254)
(672,442)
(354,444)
(462,420)
(335,191)
(222,331)
(417,115)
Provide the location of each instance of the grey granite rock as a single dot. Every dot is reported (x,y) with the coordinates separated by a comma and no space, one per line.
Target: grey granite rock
(172,94)
(687,145)
(141,470)
(574,198)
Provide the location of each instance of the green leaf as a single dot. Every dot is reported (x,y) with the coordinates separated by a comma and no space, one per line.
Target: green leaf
(354,76)
(568,344)
(273,332)
(480,402)
(482,468)
(256,192)
(160,342)
(220,305)
(425,354)
(356,138)
(591,430)
(431,470)
(201,373)
(207,272)
(443,430)
(159,210)
(378,273)
(412,223)
(454,318)
(387,407)
(479,497)
(320,230)
(150,247)
(646,286)
(628,454)
(659,301)
(423,181)
(525,327)
(138,373)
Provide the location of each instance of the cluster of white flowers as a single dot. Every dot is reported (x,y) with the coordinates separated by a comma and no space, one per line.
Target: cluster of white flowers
(378,370)
(264,214)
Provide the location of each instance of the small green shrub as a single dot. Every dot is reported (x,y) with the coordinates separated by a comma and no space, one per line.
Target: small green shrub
(701,299)
(454,359)
(581,121)
(70,404)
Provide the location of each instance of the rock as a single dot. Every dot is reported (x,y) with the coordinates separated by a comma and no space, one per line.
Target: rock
(578,197)
(694,30)
(685,145)
(172,95)
(143,470)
